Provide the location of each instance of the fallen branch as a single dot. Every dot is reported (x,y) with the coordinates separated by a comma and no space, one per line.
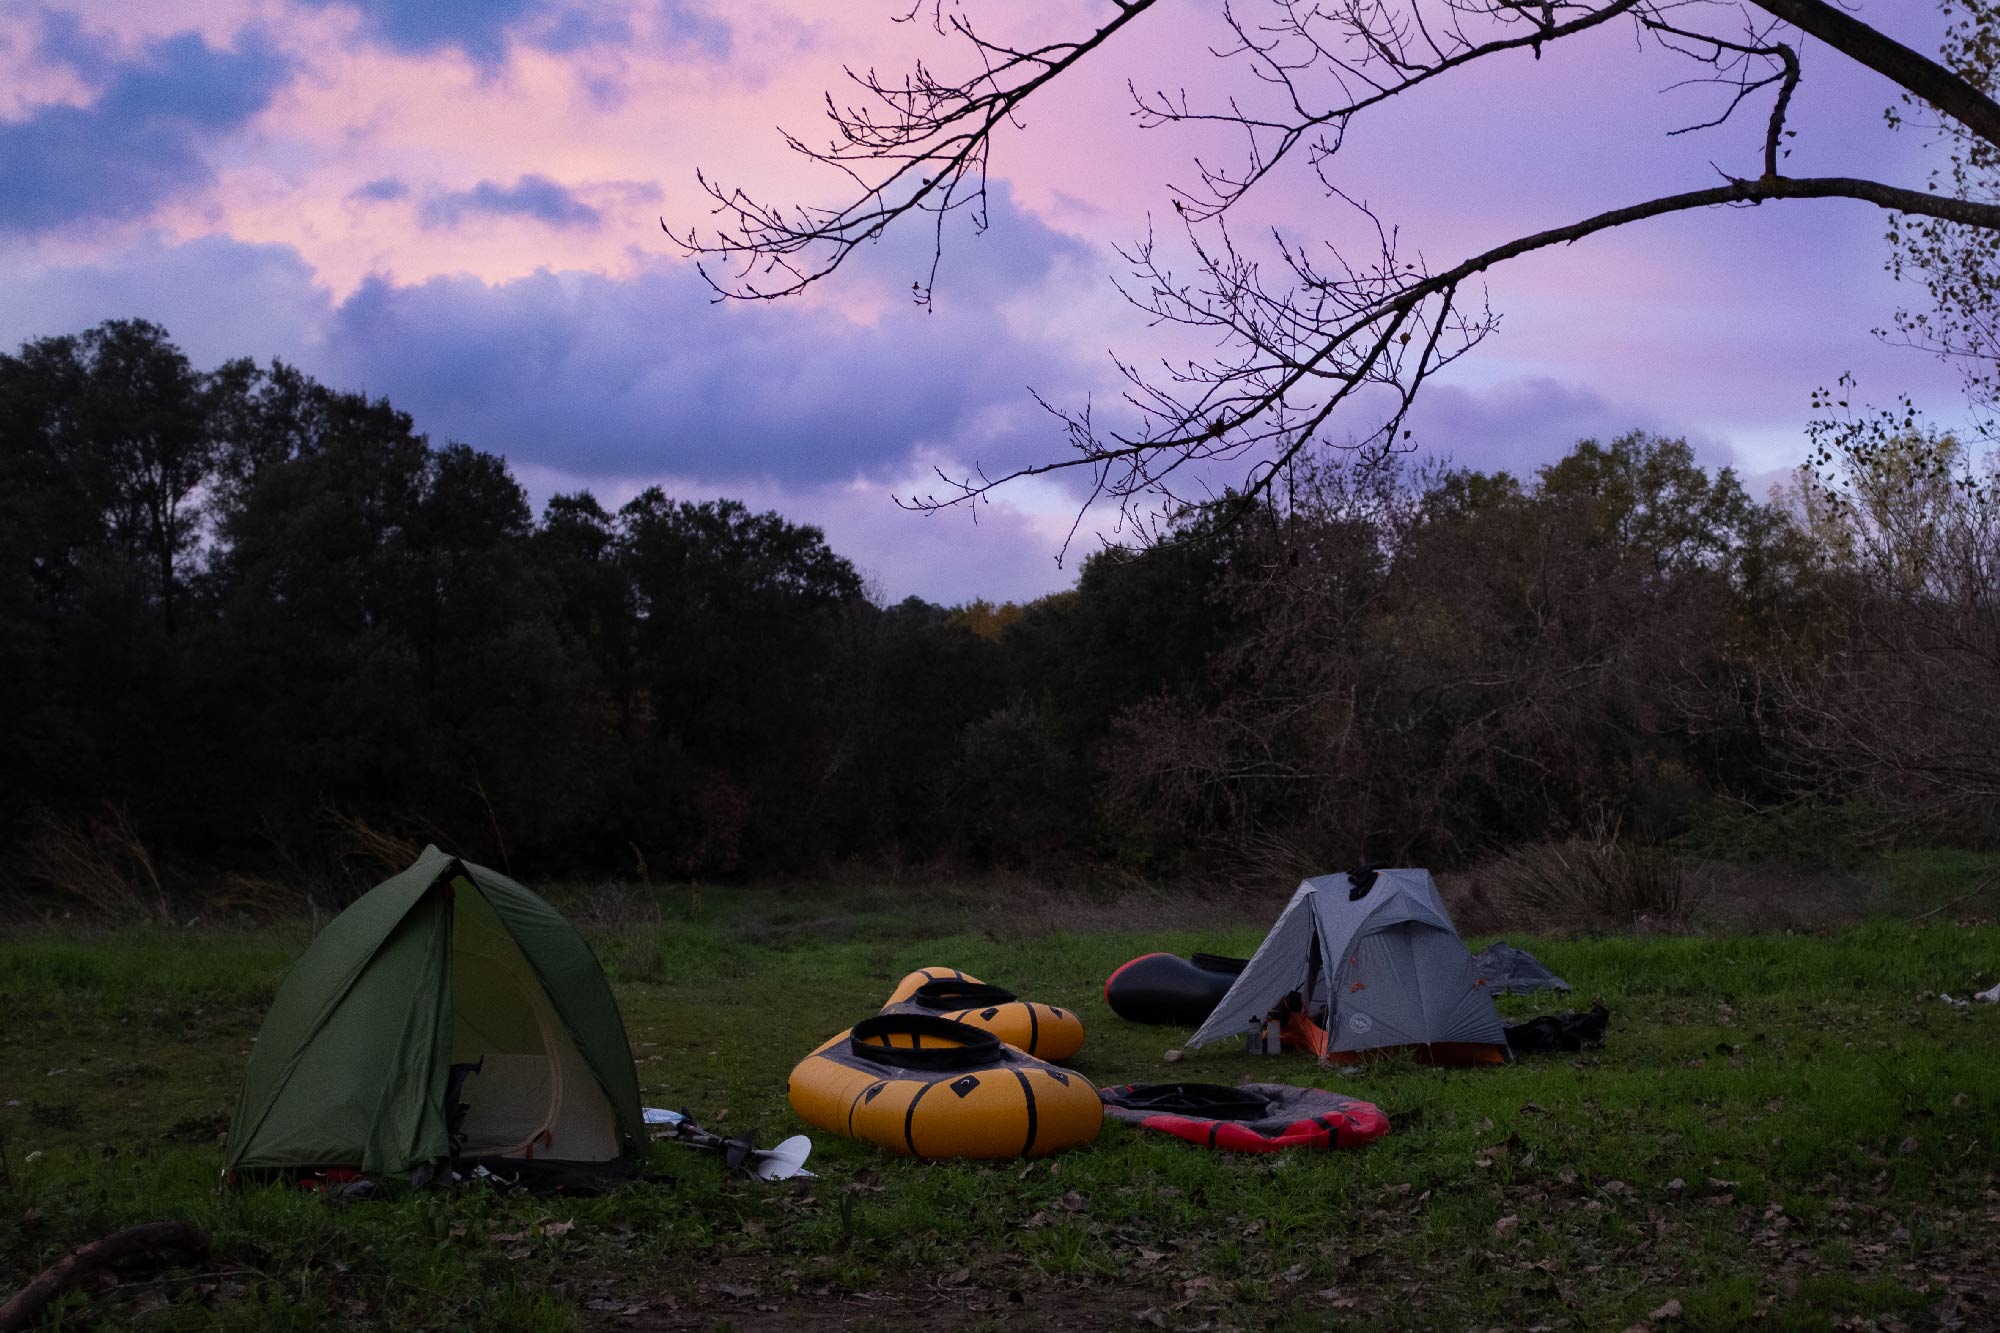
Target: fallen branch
(86,1261)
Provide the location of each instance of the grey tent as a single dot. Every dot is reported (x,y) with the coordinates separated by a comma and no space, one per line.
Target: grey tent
(1374,962)
(1512,971)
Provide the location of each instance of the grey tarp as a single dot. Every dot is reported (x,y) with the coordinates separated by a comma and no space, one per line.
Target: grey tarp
(1511,971)
(1384,969)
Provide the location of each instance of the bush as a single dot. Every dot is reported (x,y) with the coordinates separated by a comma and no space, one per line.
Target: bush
(1804,833)
(1592,882)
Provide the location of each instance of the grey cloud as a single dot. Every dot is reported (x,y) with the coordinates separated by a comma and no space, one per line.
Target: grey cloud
(144,137)
(383,190)
(1518,425)
(532,196)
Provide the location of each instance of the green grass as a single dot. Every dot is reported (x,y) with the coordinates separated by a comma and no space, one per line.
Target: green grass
(1855,1118)
(1933,878)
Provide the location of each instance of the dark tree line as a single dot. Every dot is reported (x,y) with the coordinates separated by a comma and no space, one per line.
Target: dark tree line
(249,622)
(1434,660)
(246,615)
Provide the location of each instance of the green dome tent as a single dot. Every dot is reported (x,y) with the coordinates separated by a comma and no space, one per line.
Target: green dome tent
(448,1013)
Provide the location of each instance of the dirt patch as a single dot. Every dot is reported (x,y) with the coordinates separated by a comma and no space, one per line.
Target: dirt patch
(1030,911)
(764,1296)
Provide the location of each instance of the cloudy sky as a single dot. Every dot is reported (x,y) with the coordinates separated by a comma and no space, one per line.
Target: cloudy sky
(456,203)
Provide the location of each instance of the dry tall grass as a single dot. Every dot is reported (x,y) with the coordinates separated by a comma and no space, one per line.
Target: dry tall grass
(378,849)
(257,897)
(1604,882)
(101,862)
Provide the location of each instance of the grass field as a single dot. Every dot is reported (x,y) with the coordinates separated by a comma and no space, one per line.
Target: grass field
(1782,1131)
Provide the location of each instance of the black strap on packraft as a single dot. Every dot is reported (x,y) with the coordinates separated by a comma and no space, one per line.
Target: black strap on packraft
(1215,962)
(953,1045)
(949,993)
(1205,1101)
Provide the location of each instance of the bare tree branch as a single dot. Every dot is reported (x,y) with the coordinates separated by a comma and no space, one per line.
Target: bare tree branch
(936,136)
(1729,57)
(1910,70)
(1393,58)
(1298,335)
(1254,400)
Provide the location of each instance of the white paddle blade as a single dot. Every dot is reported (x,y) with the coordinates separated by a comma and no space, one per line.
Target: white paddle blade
(783,1161)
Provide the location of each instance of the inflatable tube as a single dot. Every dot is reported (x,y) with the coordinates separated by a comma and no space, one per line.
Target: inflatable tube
(1257,1117)
(1039,1029)
(1165,988)
(925,1086)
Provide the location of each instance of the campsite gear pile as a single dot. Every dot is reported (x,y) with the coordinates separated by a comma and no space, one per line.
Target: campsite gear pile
(1256,1117)
(1166,988)
(786,1161)
(1559,1032)
(450,1025)
(1038,1029)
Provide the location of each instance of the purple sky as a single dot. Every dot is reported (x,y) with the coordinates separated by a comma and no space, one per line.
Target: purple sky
(454,203)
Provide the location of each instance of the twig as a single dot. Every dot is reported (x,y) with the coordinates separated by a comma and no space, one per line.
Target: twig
(493,821)
(1972,892)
